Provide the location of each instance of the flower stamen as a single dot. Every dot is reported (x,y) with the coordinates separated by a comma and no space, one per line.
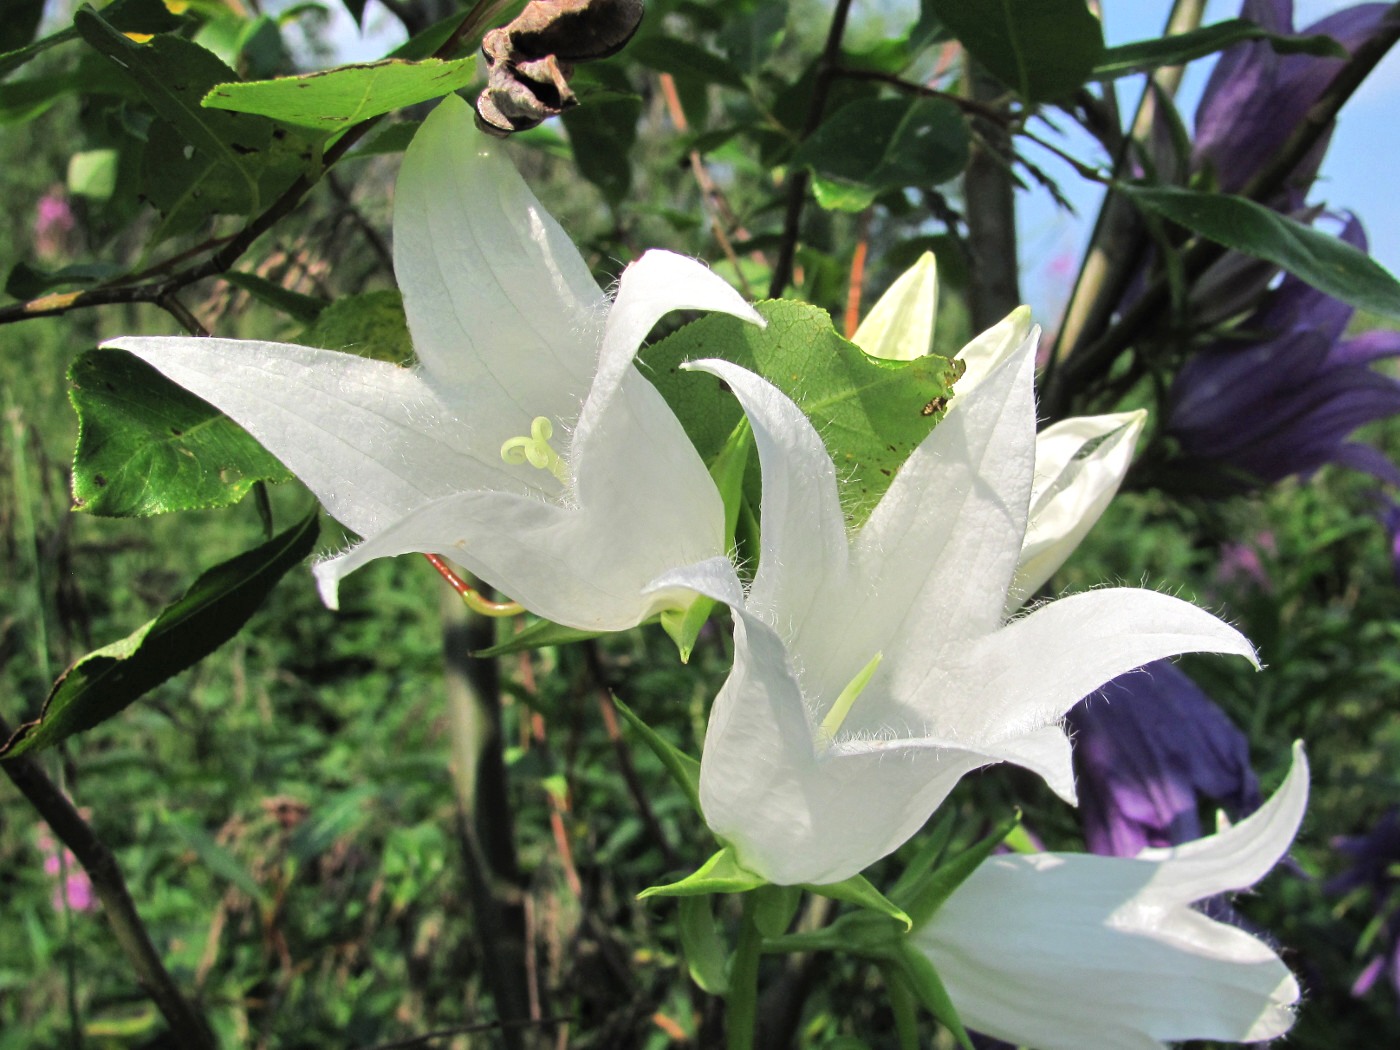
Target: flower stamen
(536,450)
(831,724)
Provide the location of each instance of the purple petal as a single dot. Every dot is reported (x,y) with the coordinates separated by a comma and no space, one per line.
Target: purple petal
(1148,747)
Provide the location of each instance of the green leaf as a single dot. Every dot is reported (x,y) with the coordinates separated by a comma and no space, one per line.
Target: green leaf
(705,955)
(722,873)
(27,282)
(773,909)
(147,446)
(858,890)
(1330,265)
(370,325)
(602,130)
(684,769)
(334,99)
(1042,49)
(129,16)
(872,414)
(93,173)
(303,308)
(538,635)
(919,971)
(680,58)
(216,858)
(212,611)
(1145,55)
(867,148)
(20,23)
(196,162)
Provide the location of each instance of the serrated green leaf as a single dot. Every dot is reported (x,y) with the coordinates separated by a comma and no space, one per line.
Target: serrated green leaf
(212,611)
(859,890)
(334,99)
(705,956)
(1142,56)
(722,873)
(147,446)
(538,635)
(1042,49)
(871,414)
(197,162)
(370,325)
(684,769)
(867,148)
(1328,264)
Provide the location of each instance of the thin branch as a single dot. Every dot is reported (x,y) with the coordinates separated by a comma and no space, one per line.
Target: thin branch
(989,202)
(186,1025)
(827,68)
(233,247)
(970,106)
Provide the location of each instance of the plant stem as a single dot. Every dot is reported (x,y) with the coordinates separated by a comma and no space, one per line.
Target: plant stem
(741,1004)
(828,67)
(485,822)
(990,200)
(187,1027)
(1116,242)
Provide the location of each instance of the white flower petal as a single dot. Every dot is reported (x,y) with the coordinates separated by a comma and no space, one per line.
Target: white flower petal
(1071,491)
(1036,668)
(370,439)
(990,349)
(518,353)
(899,326)
(1062,951)
(1242,854)
(803,540)
(500,303)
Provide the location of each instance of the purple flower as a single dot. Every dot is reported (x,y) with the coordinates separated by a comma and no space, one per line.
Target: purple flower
(1374,857)
(1147,747)
(1282,393)
(1256,97)
(53,224)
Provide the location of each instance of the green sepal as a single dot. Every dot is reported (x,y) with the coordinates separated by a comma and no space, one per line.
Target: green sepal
(728,470)
(859,890)
(705,955)
(684,769)
(683,626)
(924,859)
(538,635)
(720,874)
(774,907)
(916,968)
(928,896)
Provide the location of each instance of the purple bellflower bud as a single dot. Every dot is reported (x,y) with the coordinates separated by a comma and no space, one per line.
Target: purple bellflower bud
(1256,97)
(1147,747)
(1282,393)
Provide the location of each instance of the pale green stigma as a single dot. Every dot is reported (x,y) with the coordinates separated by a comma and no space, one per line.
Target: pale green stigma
(831,724)
(536,451)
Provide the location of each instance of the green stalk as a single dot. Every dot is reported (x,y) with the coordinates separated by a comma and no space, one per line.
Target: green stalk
(741,1005)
